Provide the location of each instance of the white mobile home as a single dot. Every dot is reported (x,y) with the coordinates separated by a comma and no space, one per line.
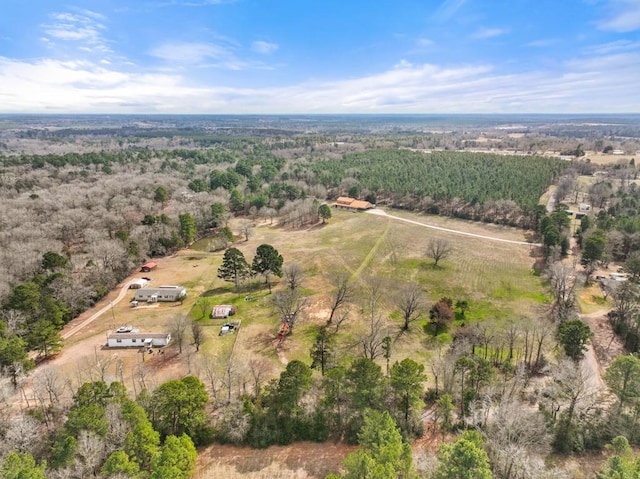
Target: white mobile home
(138,340)
(161,293)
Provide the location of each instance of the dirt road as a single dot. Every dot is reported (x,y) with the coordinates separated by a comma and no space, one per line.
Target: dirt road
(66,334)
(379,212)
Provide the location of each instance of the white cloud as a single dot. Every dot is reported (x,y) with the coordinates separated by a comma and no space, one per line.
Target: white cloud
(84,28)
(424,42)
(263,47)
(592,83)
(624,16)
(485,33)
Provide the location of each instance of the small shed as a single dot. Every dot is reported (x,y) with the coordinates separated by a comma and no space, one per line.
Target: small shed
(149,266)
(138,283)
(161,294)
(221,311)
(138,339)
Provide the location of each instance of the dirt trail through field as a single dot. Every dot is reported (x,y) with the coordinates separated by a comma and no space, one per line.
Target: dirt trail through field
(604,348)
(77,327)
(372,253)
(379,212)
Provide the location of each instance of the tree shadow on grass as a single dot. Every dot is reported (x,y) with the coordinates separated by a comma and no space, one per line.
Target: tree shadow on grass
(215,292)
(263,342)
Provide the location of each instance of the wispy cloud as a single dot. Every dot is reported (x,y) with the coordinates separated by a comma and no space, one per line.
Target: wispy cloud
(485,33)
(189,53)
(202,54)
(613,47)
(623,16)
(586,84)
(448,9)
(83,27)
(263,47)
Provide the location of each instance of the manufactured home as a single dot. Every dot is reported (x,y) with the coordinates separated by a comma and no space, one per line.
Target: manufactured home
(160,294)
(136,339)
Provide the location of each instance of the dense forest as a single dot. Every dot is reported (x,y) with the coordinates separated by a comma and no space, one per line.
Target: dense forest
(74,224)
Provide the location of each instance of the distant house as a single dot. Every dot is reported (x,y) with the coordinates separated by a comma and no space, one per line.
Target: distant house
(619,277)
(137,339)
(347,203)
(147,267)
(138,283)
(160,294)
(221,311)
(584,208)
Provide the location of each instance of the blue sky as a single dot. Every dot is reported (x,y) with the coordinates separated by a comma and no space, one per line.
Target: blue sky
(320,56)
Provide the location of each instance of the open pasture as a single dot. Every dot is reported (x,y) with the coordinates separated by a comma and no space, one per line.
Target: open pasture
(496,278)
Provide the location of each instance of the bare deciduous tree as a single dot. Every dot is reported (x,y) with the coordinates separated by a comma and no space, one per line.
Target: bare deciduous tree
(22,434)
(90,453)
(259,370)
(438,249)
(99,364)
(372,294)
(210,369)
(372,344)
(562,280)
(513,436)
(289,305)
(564,187)
(341,294)
(197,334)
(411,304)
(246,229)
(178,326)
(293,276)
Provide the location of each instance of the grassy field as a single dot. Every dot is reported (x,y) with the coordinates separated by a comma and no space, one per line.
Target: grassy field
(495,278)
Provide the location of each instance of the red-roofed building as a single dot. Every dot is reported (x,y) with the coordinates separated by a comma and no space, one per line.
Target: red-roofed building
(347,203)
(147,267)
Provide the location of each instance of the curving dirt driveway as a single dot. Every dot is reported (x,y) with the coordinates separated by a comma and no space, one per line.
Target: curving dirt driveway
(379,212)
(77,327)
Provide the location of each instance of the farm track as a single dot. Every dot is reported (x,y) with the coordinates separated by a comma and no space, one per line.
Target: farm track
(379,212)
(372,253)
(76,328)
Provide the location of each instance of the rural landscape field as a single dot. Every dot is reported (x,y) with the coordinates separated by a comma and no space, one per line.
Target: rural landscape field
(243,239)
(334,288)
